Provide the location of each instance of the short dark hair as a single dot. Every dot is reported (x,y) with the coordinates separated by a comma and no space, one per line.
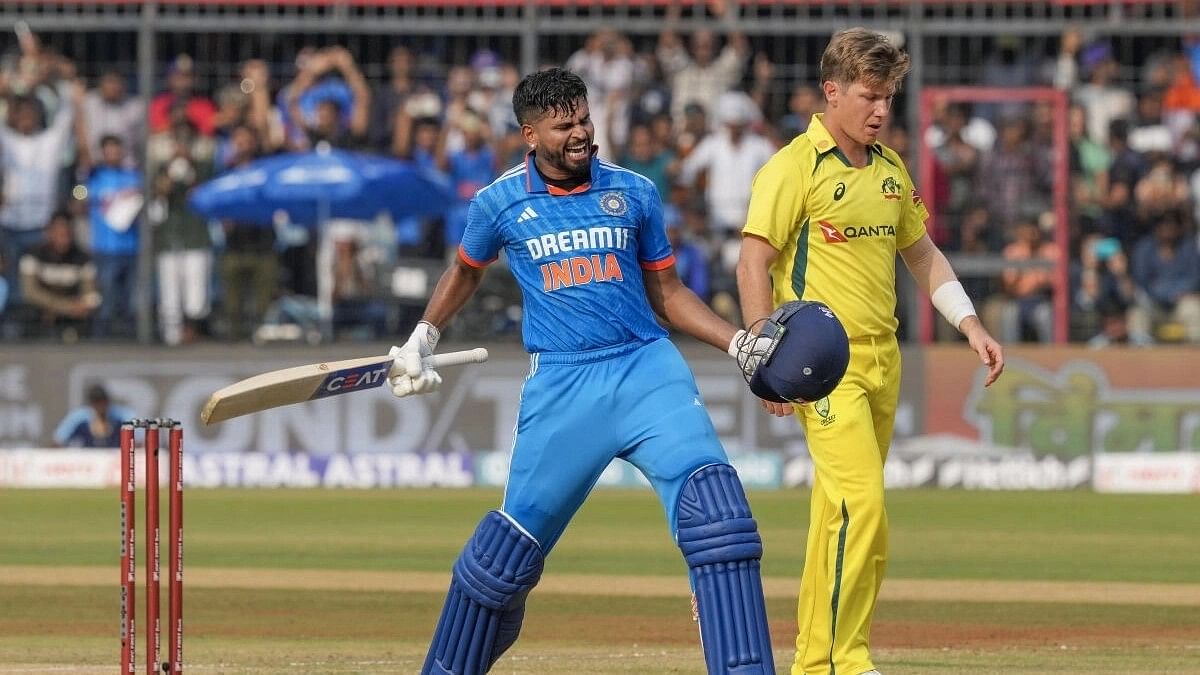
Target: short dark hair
(552,90)
(97,394)
(1118,130)
(111,138)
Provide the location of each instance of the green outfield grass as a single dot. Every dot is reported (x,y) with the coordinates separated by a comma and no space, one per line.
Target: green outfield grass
(63,615)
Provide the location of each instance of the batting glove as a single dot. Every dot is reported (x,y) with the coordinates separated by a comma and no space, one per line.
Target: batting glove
(412,372)
(748,350)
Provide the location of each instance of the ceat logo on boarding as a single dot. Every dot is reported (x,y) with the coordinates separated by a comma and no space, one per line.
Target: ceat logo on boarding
(353,379)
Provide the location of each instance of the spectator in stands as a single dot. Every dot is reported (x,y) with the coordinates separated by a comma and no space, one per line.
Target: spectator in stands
(114,193)
(247,102)
(768,93)
(109,110)
(58,279)
(180,95)
(491,91)
(1183,93)
(328,101)
(95,425)
(357,307)
(419,143)
(164,146)
(1025,309)
(1103,100)
(645,156)
(1008,64)
(30,157)
(730,157)
(1166,270)
(1149,132)
(249,263)
(804,102)
(1014,178)
(388,101)
(960,118)
(1089,162)
(1114,327)
(690,259)
(507,140)
(1063,70)
(1161,189)
(457,95)
(699,75)
(183,247)
(1104,290)
(693,130)
(651,95)
(1127,168)
(470,168)
(957,162)
(606,65)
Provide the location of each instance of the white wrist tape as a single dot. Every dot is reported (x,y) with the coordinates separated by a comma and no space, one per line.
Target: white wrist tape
(952,302)
(738,337)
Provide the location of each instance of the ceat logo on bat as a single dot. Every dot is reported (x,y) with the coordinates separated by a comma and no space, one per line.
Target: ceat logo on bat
(353,379)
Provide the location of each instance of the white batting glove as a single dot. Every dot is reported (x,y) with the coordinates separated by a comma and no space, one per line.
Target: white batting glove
(748,350)
(411,371)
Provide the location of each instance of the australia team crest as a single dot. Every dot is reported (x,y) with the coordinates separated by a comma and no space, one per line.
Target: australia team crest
(613,203)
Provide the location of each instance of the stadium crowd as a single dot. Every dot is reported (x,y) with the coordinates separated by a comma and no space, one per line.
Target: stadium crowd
(87,173)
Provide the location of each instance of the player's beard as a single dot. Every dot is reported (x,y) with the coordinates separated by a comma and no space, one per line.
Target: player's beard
(577,169)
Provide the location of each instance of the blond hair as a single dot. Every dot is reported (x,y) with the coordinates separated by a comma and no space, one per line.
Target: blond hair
(864,56)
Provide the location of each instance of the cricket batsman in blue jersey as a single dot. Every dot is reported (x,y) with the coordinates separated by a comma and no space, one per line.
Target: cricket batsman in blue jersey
(585,240)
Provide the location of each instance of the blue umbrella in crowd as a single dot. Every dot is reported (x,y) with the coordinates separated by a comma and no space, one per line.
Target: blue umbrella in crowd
(315,186)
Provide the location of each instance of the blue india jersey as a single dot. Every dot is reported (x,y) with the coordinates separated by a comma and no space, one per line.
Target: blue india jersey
(577,256)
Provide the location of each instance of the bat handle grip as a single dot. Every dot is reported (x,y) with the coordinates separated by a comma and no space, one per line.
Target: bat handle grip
(477,355)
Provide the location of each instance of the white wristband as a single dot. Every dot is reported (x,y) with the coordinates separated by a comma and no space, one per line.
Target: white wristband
(952,302)
(738,337)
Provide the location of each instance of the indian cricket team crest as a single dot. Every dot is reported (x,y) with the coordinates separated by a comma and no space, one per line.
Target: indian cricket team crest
(891,188)
(613,203)
(822,408)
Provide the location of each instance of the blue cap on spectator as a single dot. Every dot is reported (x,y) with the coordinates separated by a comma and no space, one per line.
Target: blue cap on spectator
(182,63)
(484,58)
(1095,54)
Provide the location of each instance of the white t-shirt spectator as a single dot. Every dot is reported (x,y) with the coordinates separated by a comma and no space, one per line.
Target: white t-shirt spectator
(31,165)
(731,168)
(609,81)
(125,120)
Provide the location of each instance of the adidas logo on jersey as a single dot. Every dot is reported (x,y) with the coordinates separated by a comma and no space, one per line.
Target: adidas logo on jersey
(527,214)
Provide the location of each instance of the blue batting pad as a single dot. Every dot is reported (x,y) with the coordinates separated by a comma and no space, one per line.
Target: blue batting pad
(486,602)
(720,543)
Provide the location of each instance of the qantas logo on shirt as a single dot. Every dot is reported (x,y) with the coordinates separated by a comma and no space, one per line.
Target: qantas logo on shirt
(835,236)
(832,235)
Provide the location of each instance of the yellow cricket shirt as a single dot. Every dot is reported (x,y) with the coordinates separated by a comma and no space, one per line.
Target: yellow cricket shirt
(837,228)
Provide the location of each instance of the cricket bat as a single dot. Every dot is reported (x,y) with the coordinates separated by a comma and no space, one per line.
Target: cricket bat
(308,383)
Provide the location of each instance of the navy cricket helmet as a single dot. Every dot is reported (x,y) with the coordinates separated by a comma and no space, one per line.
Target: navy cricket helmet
(807,355)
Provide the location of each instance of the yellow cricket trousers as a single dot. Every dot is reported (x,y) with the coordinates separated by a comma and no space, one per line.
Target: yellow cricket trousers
(848,436)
